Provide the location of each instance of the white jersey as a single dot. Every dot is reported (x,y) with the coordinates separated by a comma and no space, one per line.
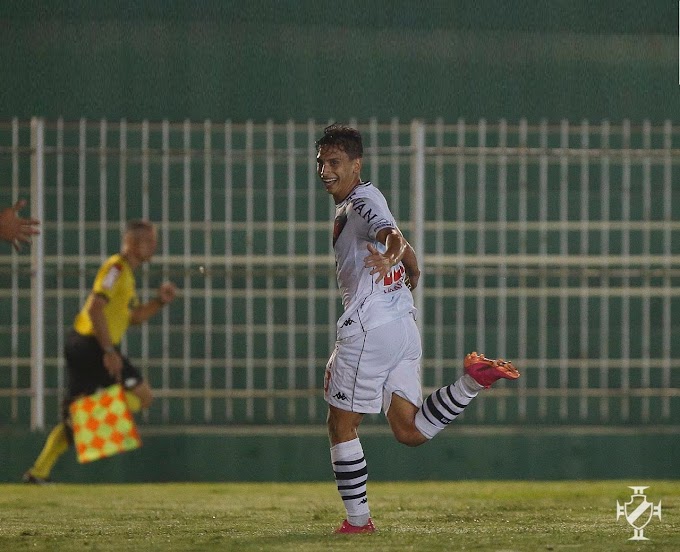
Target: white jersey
(358,219)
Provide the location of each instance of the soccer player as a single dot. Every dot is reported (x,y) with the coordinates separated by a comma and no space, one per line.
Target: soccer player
(14,229)
(92,350)
(376,360)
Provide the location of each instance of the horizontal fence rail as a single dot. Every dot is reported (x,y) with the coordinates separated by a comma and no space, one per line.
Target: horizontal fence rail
(554,244)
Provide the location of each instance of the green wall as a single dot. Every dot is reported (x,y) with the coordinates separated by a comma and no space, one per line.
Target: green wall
(264,59)
(271,455)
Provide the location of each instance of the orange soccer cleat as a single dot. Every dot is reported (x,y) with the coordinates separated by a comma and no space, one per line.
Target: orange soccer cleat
(485,371)
(347,527)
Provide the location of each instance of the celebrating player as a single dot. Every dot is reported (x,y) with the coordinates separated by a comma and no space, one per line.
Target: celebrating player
(92,349)
(376,360)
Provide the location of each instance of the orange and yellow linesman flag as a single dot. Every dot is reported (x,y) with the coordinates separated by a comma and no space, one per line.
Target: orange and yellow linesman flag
(103,425)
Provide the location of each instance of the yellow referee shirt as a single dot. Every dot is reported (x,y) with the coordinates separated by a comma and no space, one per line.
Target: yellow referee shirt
(116,282)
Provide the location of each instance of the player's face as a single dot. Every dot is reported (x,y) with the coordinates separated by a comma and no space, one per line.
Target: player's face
(145,245)
(339,173)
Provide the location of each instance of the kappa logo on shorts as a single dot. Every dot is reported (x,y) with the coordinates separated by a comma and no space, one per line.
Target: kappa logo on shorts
(347,322)
(340,396)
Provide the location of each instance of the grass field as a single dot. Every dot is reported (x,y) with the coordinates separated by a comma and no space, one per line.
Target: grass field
(418,516)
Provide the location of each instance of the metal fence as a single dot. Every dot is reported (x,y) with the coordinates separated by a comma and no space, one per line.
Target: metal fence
(556,245)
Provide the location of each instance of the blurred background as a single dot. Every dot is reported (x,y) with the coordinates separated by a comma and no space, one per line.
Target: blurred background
(528,150)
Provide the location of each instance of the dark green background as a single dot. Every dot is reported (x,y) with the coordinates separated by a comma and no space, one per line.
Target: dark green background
(261,59)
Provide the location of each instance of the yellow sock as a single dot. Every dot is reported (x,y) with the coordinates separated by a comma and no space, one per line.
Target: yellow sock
(55,446)
(133,401)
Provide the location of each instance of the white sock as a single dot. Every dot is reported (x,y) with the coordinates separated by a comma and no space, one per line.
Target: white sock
(351,474)
(445,405)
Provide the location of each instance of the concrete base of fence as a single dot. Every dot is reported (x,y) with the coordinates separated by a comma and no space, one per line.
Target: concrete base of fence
(301,454)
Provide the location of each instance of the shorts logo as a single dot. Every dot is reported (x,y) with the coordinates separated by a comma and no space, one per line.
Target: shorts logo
(347,322)
(340,396)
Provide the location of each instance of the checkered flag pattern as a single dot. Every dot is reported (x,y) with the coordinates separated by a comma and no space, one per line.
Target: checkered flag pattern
(103,425)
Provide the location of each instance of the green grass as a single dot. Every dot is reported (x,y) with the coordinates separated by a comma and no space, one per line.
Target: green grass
(418,516)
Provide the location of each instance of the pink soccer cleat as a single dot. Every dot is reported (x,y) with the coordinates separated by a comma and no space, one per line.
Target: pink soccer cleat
(347,527)
(485,371)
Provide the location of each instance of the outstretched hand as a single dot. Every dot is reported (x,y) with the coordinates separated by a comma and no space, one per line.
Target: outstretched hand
(15,229)
(379,263)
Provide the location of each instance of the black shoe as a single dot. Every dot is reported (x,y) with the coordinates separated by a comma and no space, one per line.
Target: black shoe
(31,479)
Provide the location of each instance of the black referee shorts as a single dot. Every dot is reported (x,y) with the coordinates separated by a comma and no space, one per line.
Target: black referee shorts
(86,371)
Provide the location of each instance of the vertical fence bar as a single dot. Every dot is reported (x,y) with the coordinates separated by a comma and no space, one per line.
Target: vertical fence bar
(103,192)
(418,208)
(61,380)
(604,250)
(82,149)
(625,299)
(145,267)
(311,274)
(522,299)
(646,251)
(564,280)
(439,250)
(165,238)
(250,306)
(207,262)
(122,177)
(269,251)
(290,249)
(666,320)
(186,330)
(585,246)
(480,337)
(395,165)
(374,157)
(122,193)
(460,240)
(14,361)
(543,279)
(481,235)
(502,324)
(228,266)
(38,276)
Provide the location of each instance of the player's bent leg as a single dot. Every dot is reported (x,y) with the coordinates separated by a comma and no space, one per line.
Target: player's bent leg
(401,417)
(139,397)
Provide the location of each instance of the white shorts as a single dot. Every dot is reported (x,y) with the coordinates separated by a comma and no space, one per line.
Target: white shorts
(365,369)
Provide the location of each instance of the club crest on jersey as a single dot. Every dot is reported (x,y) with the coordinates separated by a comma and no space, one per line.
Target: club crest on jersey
(339,224)
(395,279)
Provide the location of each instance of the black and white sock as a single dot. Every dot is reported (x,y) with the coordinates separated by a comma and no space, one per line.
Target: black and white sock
(445,404)
(351,474)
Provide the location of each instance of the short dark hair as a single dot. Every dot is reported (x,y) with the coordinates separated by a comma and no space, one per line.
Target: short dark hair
(137,225)
(343,137)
